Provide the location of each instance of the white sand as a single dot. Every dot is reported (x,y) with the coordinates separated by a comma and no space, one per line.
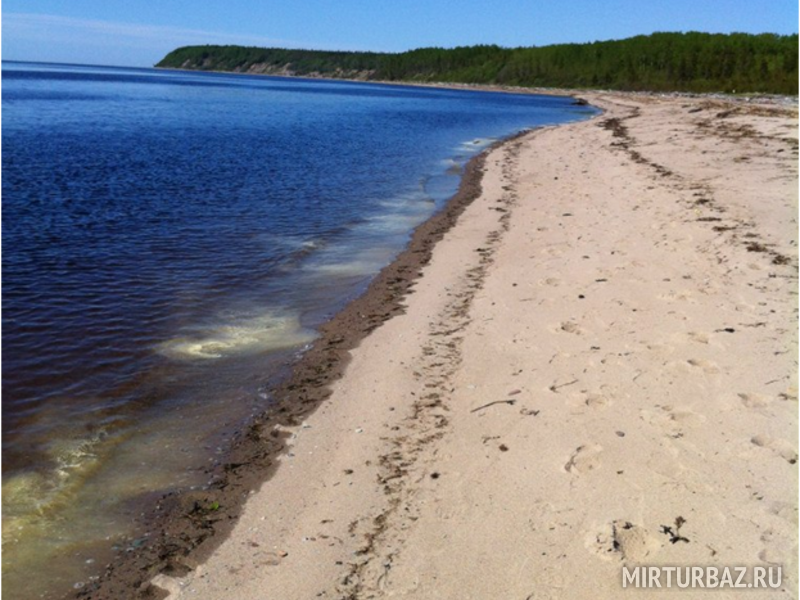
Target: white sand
(604,284)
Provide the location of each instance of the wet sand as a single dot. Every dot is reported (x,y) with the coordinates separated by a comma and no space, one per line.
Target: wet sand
(594,367)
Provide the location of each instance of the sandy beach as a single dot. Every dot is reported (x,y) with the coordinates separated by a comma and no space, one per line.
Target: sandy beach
(595,368)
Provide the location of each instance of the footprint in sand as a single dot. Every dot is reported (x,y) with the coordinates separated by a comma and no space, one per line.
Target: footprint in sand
(661,350)
(268,559)
(706,365)
(675,296)
(597,401)
(570,327)
(673,420)
(782,448)
(779,547)
(585,458)
(625,540)
(686,417)
(755,401)
(635,542)
(785,510)
(551,281)
(772,556)
(700,338)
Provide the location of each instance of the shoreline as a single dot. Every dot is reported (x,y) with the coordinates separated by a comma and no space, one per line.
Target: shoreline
(406,465)
(222,325)
(185,524)
(743,97)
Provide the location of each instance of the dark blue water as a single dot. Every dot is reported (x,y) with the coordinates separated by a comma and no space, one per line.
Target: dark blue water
(170,241)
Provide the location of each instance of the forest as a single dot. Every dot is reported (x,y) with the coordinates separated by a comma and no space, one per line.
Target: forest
(686,62)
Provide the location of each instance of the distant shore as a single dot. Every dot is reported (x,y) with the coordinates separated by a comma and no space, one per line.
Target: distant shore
(688,61)
(596,347)
(747,98)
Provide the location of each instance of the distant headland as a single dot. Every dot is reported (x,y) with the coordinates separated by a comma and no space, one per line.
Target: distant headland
(686,62)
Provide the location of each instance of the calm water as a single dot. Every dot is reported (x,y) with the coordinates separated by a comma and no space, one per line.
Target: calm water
(170,242)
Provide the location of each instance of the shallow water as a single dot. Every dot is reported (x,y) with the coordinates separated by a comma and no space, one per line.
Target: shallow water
(170,243)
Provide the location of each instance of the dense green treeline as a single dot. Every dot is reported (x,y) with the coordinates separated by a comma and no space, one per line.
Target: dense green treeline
(693,62)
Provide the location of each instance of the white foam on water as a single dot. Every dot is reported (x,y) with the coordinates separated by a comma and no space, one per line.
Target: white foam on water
(476,144)
(374,242)
(238,335)
(395,223)
(357,267)
(401,213)
(271,240)
(350,261)
(412,202)
(453,166)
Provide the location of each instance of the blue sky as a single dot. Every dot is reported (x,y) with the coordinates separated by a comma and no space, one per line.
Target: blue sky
(118,32)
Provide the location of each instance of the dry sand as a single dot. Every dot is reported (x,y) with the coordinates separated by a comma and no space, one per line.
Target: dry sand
(604,344)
